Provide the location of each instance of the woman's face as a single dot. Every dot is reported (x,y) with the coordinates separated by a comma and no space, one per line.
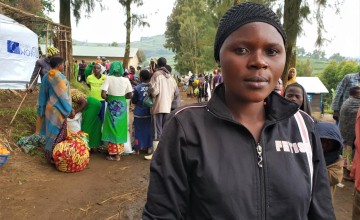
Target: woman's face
(97,69)
(61,67)
(252,59)
(295,95)
(291,74)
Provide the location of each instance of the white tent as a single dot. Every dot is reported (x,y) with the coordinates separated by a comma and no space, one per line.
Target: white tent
(18,53)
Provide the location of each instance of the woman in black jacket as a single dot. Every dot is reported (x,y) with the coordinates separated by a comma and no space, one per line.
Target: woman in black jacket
(248,153)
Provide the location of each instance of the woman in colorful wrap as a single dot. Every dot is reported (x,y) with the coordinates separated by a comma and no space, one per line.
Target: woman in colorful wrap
(90,108)
(115,90)
(54,104)
(95,81)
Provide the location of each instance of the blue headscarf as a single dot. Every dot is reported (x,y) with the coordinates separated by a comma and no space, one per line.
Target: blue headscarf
(330,131)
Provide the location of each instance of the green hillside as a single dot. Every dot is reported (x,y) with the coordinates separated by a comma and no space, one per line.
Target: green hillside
(153,47)
(317,64)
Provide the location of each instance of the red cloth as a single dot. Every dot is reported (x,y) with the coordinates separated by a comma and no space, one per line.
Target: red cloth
(114,149)
(355,169)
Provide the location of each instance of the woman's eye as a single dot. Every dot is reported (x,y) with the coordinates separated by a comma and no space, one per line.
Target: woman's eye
(240,50)
(272,52)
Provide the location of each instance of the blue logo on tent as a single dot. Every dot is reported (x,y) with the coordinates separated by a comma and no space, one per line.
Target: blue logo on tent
(13,47)
(23,49)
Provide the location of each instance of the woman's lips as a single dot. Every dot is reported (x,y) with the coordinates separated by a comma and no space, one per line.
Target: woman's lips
(256,82)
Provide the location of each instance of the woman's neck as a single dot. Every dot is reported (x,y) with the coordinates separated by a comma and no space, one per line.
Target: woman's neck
(98,75)
(246,112)
(250,115)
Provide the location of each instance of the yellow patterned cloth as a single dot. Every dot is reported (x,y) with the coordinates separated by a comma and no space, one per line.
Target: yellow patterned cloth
(76,96)
(72,155)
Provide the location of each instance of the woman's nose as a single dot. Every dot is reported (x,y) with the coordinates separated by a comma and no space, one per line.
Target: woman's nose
(257,60)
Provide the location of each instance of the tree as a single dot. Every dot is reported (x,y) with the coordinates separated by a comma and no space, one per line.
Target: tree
(114,44)
(31,6)
(300,51)
(131,21)
(304,68)
(337,57)
(295,13)
(191,30)
(37,7)
(318,54)
(77,5)
(141,55)
(333,74)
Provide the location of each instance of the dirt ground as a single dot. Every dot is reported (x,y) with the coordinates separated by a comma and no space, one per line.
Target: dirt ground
(32,189)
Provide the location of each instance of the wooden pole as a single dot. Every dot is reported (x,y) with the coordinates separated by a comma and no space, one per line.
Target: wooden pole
(36,78)
(29,15)
(47,39)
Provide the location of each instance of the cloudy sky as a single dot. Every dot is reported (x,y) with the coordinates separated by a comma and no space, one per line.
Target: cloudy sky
(108,26)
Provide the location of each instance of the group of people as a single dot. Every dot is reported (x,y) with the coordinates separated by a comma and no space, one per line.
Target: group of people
(201,85)
(104,112)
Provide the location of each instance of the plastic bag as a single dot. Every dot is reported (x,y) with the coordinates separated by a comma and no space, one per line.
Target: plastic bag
(74,124)
(148,101)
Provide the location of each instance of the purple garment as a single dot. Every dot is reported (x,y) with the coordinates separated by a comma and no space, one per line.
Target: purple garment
(217,80)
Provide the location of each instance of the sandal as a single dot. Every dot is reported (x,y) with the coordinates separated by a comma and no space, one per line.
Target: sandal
(111,158)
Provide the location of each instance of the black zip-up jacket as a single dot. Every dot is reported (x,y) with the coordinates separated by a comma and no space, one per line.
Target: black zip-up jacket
(209,166)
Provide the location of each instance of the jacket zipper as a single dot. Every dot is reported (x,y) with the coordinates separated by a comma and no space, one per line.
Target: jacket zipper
(259,151)
(262,180)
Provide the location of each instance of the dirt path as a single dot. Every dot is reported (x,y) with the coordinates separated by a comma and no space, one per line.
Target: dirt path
(31,189)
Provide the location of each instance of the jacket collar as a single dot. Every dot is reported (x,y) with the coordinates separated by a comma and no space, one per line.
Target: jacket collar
(277,107)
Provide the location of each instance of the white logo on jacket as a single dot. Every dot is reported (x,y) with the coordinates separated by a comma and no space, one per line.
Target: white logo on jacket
(286,146)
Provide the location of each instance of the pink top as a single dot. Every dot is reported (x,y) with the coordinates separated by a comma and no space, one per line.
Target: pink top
(107,65)
(355,168)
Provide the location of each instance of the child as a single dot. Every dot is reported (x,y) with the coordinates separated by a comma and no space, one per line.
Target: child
(247,153)
(54,104)
(297,94)
(332,144)
(142,117)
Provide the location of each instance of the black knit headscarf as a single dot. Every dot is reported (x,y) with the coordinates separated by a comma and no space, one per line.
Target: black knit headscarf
(242,14)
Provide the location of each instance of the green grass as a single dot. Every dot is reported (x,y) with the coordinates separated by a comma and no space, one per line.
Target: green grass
(25,123)
(82,87)
(329,111)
